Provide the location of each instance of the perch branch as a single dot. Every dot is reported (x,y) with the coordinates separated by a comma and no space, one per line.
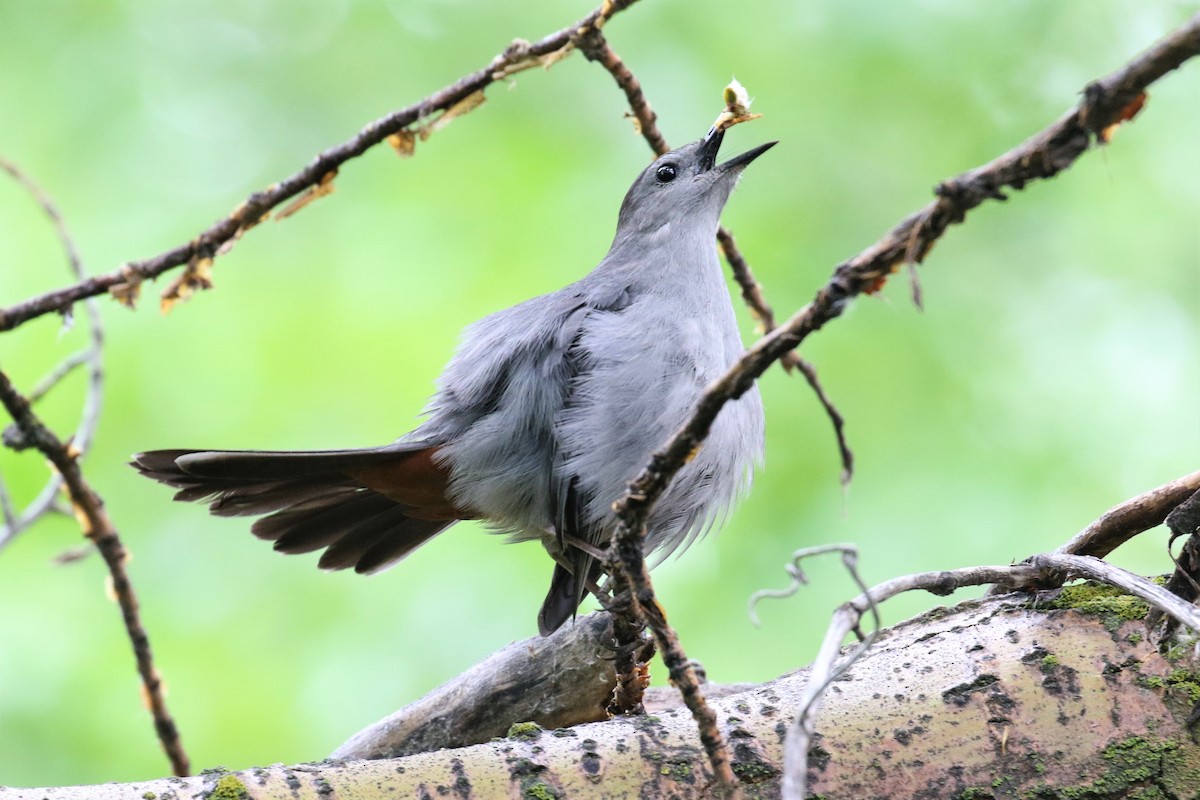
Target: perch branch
(89,509)
(556,681)
(220,236)
(967,670)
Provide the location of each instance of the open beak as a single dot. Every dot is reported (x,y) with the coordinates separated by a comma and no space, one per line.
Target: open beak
(712,143)
(737,162)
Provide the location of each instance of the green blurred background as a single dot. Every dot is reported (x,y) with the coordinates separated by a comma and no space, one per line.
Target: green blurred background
(1053,373)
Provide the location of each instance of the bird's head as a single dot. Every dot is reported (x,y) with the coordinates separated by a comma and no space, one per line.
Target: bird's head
(683,187)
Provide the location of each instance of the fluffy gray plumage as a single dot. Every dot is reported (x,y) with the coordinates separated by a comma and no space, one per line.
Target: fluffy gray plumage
(546,411)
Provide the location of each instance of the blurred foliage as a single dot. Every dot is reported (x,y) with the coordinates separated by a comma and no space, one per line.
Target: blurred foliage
(1052,374)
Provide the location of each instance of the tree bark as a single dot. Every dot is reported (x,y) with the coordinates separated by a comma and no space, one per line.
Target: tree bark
(555,681)
(1043,696)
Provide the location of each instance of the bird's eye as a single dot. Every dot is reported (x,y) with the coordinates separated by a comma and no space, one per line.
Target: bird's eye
(666,173)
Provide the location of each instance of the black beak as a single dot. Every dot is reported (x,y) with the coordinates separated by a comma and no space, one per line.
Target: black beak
(711,143)
(737,162)
(709,146)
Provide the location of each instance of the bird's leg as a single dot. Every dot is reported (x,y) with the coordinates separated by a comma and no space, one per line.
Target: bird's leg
(601,593)
(617,604)
(580,544)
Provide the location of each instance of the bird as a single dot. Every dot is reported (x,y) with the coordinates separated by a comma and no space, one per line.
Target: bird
(543,415)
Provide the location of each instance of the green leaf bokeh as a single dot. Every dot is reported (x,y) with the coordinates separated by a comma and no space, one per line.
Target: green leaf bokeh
(1052,374)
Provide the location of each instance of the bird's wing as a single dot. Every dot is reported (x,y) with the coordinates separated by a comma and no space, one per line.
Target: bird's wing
(495,414)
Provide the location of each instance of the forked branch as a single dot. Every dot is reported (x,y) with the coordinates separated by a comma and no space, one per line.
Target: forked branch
(1106,104)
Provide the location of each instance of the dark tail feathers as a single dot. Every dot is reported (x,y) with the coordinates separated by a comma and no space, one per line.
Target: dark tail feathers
(309,499)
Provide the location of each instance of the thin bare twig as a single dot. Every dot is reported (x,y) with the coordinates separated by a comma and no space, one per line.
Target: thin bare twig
(791,360)
(596,48)
(89,509)
(795,570)
(1046,568)
(825,669)
(1106,102)
(1184,583)
(58,374)
(627,568)
(9,513)
(629,572)
(1156,596)
(219,237)
(89,418)
(753,296)
(1122,522)
(51,211)
(1043,570)
(631,662)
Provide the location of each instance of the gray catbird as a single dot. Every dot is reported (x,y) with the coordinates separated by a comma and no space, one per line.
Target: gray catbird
(544,414)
